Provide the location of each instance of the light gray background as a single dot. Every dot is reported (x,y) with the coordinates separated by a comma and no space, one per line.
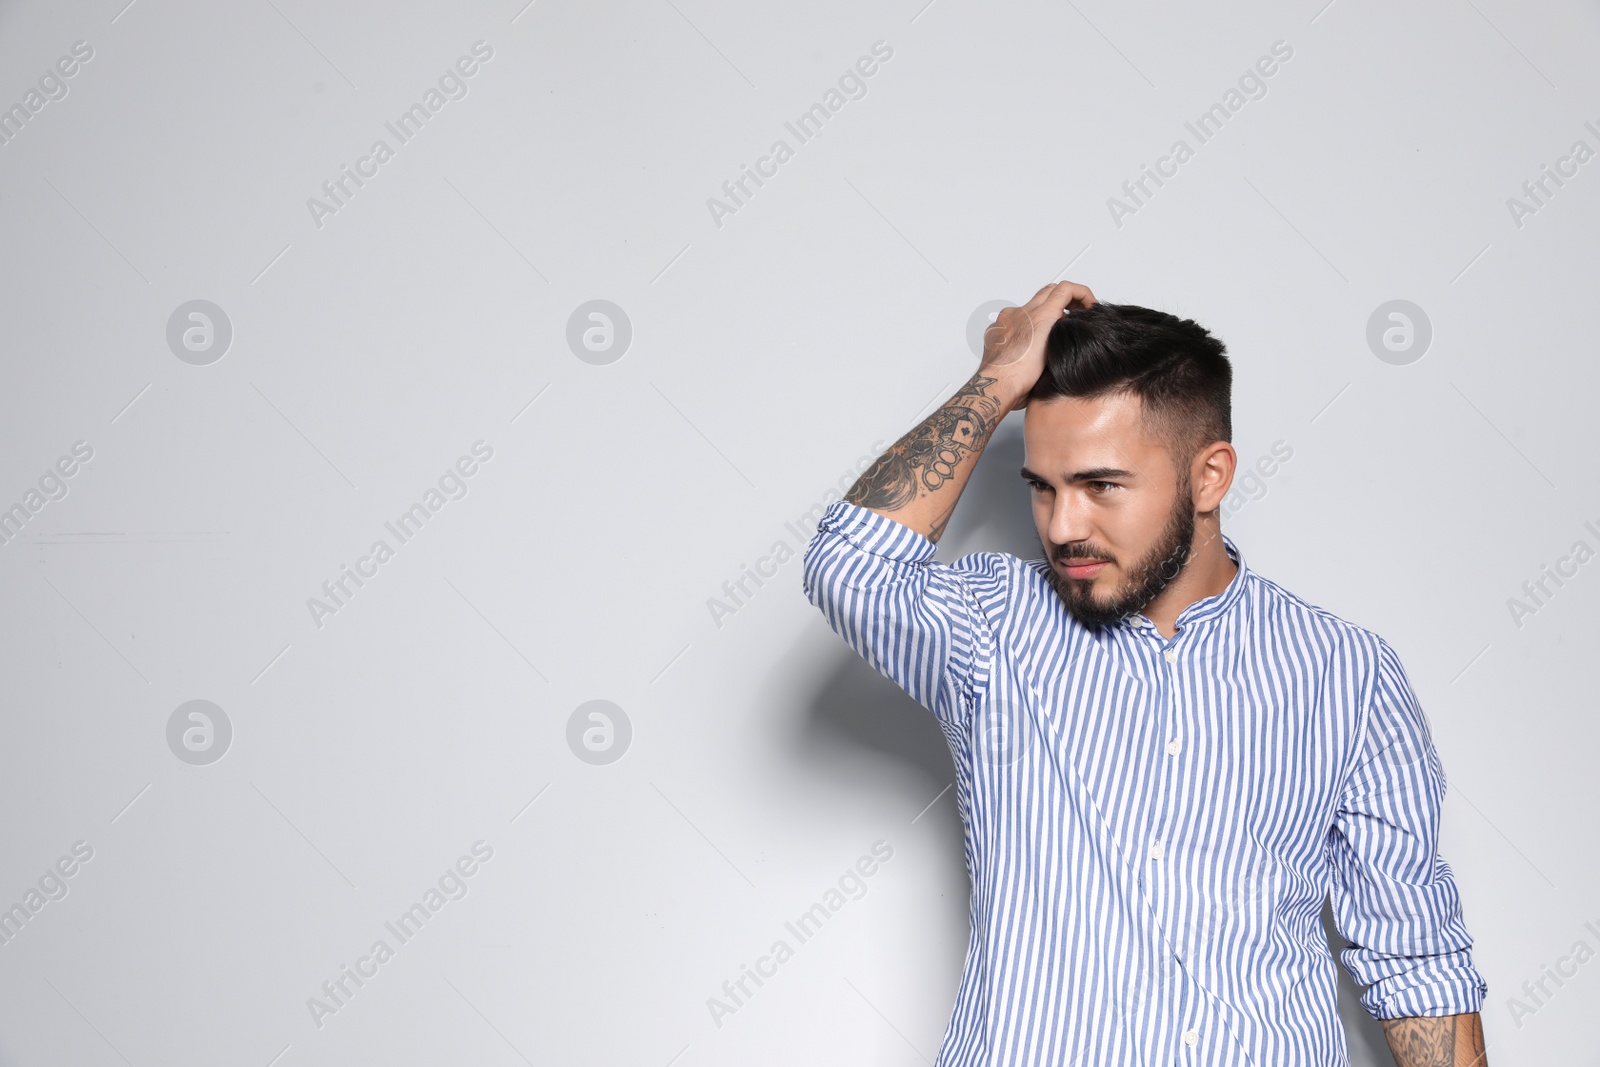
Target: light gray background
(768,355)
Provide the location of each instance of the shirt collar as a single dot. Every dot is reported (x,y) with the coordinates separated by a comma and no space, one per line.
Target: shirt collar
(1212,606)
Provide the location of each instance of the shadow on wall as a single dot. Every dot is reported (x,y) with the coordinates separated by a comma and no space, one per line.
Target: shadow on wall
(856,709)
(996,509)
(1361,1031)
(853,707)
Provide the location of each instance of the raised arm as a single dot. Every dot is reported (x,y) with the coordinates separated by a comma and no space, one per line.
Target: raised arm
(919,479)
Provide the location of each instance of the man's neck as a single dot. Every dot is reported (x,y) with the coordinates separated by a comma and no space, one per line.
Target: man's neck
(1207,573)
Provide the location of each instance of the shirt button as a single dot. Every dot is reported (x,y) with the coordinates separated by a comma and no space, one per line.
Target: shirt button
(1190,1037)
(1171,655)
(1156,851)
(1174,747)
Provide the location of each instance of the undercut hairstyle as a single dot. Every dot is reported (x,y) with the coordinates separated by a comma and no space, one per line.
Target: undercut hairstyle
(1179,372)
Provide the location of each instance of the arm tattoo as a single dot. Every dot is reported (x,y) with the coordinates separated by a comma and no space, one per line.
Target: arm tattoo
(927,456)
(940,523)
(1477,1040)
(1429,1041)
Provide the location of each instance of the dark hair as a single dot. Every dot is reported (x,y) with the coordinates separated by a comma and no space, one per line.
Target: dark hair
(1179,372)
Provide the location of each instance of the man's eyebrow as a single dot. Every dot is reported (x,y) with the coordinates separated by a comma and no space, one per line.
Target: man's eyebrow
(1097,474)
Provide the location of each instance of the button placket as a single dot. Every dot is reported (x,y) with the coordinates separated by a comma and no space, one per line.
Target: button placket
(1171,717)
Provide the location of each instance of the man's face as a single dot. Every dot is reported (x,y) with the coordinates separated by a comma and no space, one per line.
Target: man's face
(1115,517)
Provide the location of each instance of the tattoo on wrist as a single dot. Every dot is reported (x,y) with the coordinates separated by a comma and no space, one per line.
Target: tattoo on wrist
(926,458)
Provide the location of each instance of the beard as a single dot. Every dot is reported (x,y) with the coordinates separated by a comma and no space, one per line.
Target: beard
(1146,578)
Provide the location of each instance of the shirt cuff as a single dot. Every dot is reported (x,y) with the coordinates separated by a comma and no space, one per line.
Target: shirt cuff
(1448,985)
(874,533)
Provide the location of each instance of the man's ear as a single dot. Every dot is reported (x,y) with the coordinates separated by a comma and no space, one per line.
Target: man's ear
(1211,475)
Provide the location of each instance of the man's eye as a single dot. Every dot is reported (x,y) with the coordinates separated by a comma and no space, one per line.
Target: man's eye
(1038,487)
(1101,487)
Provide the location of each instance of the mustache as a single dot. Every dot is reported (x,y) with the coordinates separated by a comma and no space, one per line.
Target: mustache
(1083,550)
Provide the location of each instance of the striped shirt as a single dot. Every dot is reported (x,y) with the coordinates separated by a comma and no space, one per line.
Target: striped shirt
(1153,825)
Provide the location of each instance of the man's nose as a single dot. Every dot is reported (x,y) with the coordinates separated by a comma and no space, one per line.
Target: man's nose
(1069,520)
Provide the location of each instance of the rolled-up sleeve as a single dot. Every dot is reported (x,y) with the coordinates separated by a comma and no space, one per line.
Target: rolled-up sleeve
(927,626)
(1394,897)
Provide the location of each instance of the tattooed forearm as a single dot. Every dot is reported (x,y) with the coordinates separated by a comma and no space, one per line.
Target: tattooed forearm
(937,530)
(1422,1042)
(925,460)
(888,484)
(1439,1041)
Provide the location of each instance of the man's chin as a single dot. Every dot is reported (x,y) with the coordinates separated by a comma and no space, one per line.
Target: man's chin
(1077,596)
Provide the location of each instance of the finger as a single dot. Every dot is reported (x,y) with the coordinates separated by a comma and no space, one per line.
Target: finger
(1039,298)
(1070,294)
(1080,295)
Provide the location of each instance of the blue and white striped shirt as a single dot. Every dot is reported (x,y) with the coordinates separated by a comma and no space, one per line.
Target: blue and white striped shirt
(1152,826)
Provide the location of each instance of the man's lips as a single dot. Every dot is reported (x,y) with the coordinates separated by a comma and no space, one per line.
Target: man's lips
(1083,568)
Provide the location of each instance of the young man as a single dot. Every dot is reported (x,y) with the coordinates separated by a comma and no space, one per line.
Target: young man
(1164,762)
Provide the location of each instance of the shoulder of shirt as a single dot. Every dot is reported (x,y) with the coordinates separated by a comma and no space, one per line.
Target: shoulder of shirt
(1275,599)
